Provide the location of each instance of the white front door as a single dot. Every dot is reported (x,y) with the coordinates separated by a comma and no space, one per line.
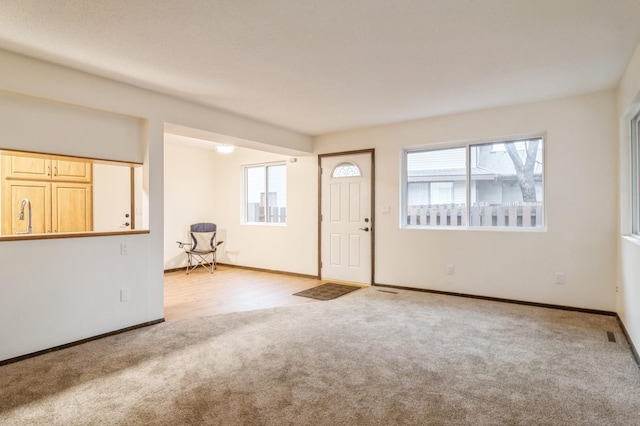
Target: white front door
(346,225)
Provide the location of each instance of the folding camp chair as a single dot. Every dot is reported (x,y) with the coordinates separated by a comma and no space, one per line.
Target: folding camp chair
(202,246)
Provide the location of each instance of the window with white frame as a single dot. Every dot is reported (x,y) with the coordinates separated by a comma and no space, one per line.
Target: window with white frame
(265,193)
(635,175)
(490,185)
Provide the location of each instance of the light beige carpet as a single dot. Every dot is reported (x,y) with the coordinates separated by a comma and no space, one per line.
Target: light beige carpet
(368,358)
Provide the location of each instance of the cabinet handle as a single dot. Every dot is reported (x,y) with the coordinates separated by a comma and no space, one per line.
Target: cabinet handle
(55,171)
(48,170)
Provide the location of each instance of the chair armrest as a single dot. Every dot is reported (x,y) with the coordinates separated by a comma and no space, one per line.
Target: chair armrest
(181,244)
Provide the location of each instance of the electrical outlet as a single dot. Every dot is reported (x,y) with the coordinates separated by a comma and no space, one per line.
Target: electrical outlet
(451,269)
(124,249)
(560,278)
(124,295)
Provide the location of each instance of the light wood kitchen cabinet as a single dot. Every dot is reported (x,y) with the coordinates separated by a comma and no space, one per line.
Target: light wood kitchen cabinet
(49,168)
(38,193)
(71,207)
(60,191)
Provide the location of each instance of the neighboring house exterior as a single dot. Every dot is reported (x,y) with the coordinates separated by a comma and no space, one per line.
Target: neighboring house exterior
(438,178)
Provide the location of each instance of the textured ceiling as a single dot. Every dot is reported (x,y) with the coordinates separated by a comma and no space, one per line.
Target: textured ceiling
(322,66)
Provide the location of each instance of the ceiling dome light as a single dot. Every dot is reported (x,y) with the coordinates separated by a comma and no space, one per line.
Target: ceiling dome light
(225,149)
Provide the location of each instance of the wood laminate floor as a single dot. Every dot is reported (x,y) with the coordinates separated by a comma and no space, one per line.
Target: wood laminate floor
(229,289)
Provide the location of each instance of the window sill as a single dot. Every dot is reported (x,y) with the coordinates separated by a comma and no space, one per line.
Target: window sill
(632,239)
(278,225)
(58,235)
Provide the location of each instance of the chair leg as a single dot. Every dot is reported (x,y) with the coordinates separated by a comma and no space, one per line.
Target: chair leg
(200,260)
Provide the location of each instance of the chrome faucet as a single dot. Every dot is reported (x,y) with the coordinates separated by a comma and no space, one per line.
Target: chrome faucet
(24,203)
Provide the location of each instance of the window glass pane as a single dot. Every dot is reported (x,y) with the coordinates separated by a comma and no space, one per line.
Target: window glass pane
(266,193)
(441,192)
(506,184)
(277,201)
(255,189)
(418,193)
(436,187)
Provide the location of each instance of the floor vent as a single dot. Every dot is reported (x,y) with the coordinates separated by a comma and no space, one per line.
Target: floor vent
(387,291)
(611,337)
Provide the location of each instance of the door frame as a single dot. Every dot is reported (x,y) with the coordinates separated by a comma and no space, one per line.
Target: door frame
(370,151)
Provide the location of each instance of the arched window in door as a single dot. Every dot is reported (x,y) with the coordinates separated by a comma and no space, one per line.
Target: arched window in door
(346,169)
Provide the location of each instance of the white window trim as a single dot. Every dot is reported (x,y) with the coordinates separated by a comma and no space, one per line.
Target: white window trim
(634,187)
(626,176)
(466,144)
(243,199)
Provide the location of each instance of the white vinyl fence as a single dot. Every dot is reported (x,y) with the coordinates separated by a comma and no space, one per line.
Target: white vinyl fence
(524,215)
(256,213)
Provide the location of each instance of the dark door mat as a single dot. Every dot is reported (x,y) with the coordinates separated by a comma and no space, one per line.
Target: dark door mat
(327,291)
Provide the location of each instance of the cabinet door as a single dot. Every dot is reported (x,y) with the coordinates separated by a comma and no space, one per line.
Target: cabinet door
(39,195)
(71,207)
(22,167)
(71,171)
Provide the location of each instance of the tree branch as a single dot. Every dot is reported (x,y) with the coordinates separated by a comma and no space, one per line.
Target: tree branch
(515,157)
(532,152)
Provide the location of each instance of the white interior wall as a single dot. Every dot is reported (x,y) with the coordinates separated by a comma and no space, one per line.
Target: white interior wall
(290,248)
(74,292)
(40,125)
(189,195)
(62,290)
(628,300)
(580,240)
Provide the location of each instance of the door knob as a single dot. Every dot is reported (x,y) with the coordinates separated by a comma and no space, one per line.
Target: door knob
(364,229)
